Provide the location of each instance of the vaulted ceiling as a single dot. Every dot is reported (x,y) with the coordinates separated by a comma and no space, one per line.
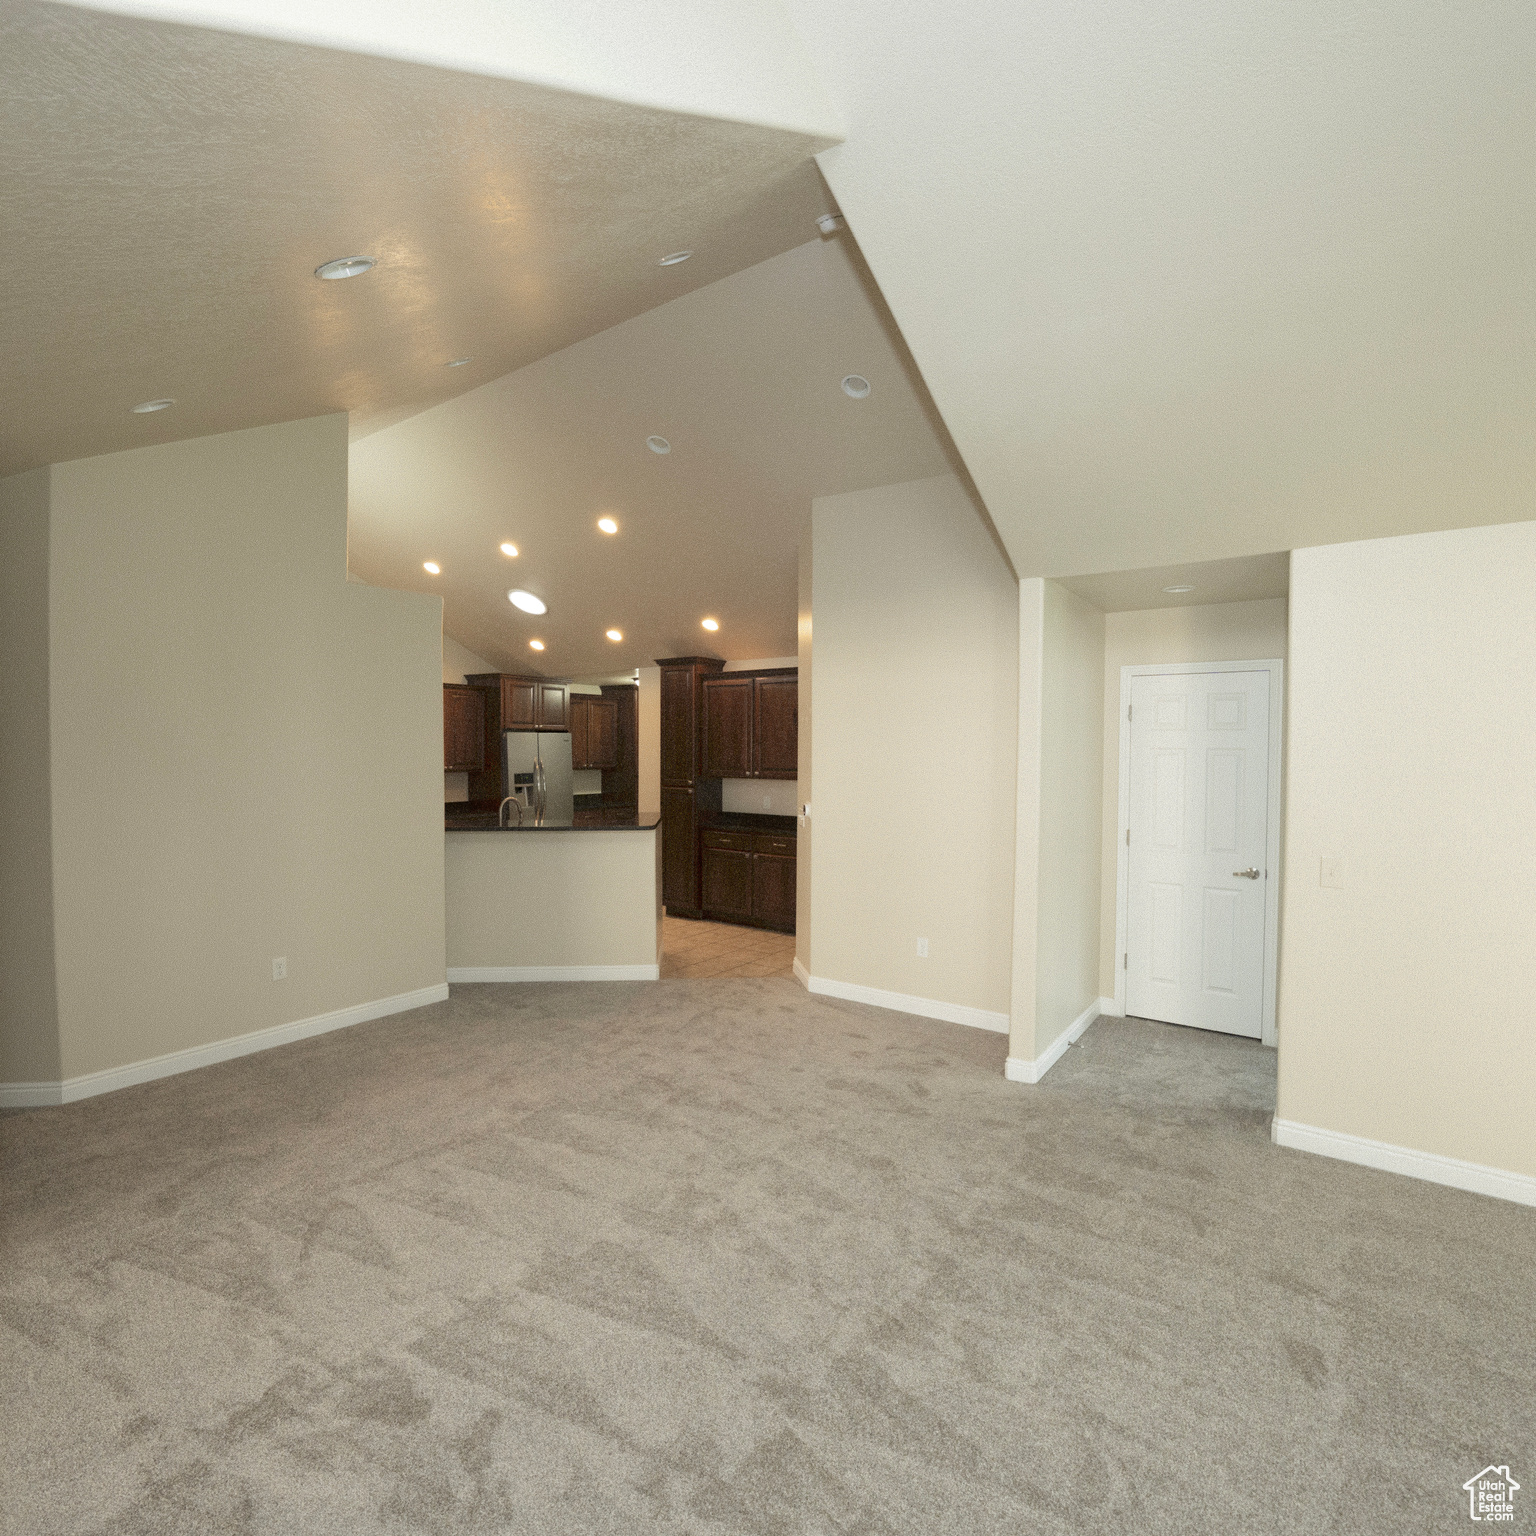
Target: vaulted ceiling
(743,379)
(168,191)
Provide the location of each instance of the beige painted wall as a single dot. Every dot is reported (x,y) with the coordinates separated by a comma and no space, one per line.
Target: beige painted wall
(1071,769)
(1253,631)
(553,898)
(459,662)
(29,1037)
(246,749)
(914,719)
(648,738)
(1412,705)
(1054,975)
(803,630)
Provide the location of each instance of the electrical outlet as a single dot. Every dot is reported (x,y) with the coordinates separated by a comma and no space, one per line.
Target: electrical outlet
(767,802)
(1331,872)
(922,949)
(280,968)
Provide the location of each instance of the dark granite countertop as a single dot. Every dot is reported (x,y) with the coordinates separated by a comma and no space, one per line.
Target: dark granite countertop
(745,821)
(583,821)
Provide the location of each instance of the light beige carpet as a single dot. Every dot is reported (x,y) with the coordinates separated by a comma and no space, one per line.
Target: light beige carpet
(720,1257)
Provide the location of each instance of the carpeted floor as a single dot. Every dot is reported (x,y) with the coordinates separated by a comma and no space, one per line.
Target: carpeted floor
(721,1257)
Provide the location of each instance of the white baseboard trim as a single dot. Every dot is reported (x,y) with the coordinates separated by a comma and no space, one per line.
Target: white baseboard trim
(461,973)
(1431,1166)
(1017,1070)
(902,1002)
(1110,1009)
(802,975)
(41,1095)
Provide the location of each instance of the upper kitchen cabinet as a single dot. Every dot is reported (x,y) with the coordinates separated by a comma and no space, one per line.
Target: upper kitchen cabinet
(682,705)
(594,731)
(751,726)
(776,727)
(527,703)
(463,728)
(552,712)
(727,749)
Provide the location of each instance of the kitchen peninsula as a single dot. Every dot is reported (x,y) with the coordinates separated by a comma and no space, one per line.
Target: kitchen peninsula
(575,901)
(570,888)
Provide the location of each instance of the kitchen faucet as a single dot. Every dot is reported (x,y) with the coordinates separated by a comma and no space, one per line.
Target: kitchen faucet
(501,812)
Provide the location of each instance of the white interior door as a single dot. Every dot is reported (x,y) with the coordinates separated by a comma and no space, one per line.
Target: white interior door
(1198,850)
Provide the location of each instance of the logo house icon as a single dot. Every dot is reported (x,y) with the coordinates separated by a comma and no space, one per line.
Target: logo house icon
(1492,1494)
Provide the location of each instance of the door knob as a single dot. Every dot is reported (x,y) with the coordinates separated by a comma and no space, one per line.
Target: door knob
(1246,874)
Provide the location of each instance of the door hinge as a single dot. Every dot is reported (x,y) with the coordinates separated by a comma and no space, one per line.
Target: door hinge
(1125,964)
(1127,837)
(1128,709)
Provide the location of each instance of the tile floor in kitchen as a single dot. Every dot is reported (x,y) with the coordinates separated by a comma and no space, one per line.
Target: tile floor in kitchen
(694,949)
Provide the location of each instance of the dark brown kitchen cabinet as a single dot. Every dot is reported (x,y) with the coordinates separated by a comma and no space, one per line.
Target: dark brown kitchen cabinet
(679,852)
(773,890)
(463,728)
(749,877)
(727,728)
(751,727)
(526,703)
(551,712)
(728,884)
(776,727)
(686,795)
(594,731)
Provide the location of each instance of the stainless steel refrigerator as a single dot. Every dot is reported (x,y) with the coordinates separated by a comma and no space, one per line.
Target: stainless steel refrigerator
(536,767)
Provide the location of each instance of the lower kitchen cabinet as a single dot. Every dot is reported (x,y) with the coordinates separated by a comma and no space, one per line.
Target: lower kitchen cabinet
(749,877)
(773,891)
(728,885)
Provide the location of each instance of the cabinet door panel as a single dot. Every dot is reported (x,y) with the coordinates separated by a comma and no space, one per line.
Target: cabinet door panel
(553,715)
(773,891)
(776,727)
(677,725)
(463,729)
(517,706)
(679,852)
(580,716)
(727,728)
(602,732)
(728,885)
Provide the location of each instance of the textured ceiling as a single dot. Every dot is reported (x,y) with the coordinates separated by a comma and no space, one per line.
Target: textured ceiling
(743,378)
(1243,580)
(167,192)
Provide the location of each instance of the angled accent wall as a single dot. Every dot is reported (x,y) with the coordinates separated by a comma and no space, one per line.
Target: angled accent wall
(244,753)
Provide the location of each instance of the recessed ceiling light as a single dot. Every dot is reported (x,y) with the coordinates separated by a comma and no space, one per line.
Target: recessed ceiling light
(658,445)
(147,406)
(674,258)
(535,645)
(510,550)
(711,624)
(829,223)
(608,525)
(458,362)
(615,634)
(1179,589)
(431,567)
(856,386)
(344,266)
(527,601)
